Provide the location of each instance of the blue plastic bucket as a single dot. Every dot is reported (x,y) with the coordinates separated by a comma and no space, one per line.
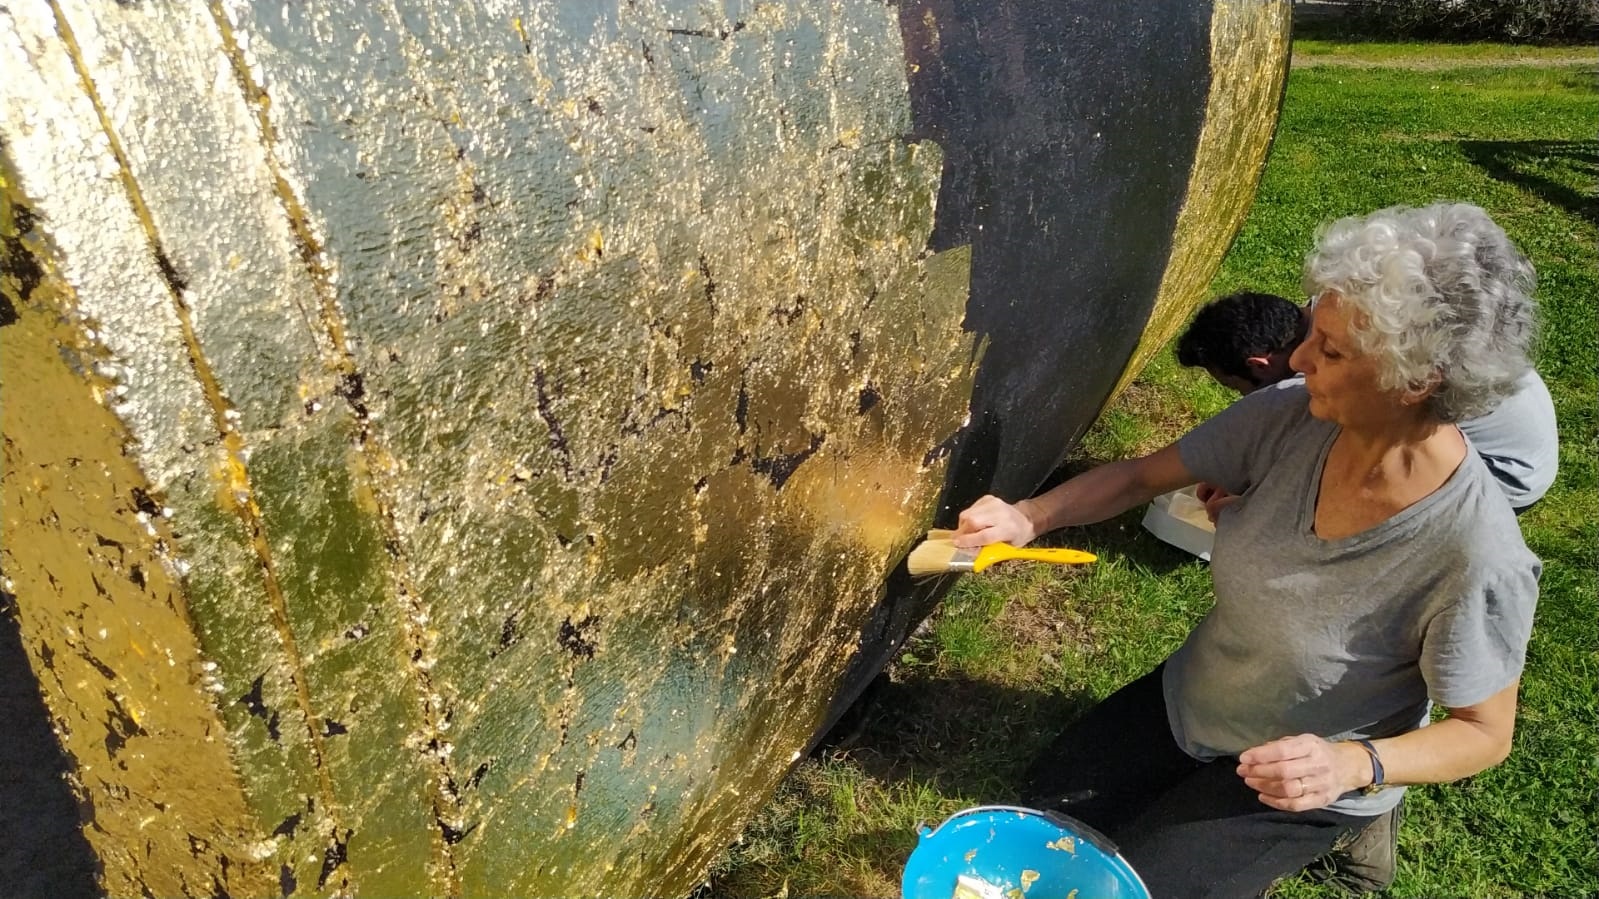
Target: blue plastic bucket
(1012,852)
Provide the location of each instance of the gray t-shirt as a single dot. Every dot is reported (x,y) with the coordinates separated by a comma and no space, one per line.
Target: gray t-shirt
(1341,638)
(1519,441)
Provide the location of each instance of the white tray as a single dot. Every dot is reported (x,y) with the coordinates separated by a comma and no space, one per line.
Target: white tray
(1179,518)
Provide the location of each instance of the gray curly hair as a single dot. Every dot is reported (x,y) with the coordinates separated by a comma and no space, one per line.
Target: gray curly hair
(1442,297)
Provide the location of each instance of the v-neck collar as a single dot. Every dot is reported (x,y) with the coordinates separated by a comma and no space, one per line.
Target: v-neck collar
(1382,530)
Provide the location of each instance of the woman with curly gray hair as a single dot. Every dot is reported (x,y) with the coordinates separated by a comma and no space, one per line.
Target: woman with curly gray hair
(1370,569)
(1441,296)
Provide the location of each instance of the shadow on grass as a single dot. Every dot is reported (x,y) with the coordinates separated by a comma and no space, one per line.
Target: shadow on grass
(909,751)
(1545,168)
(962,736)
(1124,533)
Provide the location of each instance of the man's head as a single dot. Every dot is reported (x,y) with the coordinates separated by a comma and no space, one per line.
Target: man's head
(1244,339)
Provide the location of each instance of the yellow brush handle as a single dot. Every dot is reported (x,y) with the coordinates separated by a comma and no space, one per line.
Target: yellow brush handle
(1004,552)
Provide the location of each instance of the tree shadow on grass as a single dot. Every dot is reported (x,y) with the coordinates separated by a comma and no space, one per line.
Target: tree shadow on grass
(1546,168)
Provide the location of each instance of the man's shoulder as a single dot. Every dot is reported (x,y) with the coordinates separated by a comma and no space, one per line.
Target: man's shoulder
(1285,401)
(1520,440)
(1528,403)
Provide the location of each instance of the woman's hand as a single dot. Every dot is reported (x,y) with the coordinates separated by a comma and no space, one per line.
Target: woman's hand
(991,520)
(1297,774)
(1214,498)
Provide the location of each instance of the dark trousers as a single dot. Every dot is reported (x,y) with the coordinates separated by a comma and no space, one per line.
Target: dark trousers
(1189,828)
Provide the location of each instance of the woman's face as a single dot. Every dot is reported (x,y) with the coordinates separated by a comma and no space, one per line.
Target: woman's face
(1342,382)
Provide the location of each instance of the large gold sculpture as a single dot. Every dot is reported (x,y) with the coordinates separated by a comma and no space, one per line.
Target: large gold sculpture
(460,449)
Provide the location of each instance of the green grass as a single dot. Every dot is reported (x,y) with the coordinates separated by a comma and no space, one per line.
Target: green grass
(1014,654)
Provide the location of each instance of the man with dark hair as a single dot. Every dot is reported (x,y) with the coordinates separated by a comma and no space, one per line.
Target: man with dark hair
(1244,339)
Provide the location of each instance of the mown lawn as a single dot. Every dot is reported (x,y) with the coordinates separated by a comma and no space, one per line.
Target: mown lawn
(1014,654)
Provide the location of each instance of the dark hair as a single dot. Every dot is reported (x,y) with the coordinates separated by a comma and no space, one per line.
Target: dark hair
(1226,332)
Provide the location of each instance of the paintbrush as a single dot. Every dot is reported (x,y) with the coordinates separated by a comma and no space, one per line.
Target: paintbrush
(938,554)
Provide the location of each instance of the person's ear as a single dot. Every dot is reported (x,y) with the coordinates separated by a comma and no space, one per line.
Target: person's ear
(1417,394)
(1278,364)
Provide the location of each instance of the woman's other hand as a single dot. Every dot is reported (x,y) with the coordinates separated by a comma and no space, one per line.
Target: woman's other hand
(991,520)
(1297,774)
(1214,498)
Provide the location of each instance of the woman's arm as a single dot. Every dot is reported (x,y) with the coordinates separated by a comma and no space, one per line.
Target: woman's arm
(1300,773)
(1094,495)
